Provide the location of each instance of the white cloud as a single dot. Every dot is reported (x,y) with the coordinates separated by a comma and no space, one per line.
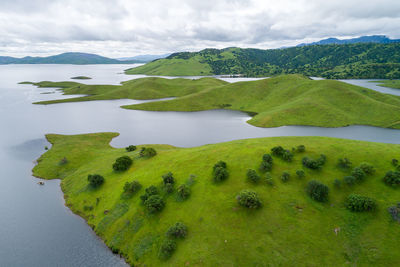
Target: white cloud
(125,27)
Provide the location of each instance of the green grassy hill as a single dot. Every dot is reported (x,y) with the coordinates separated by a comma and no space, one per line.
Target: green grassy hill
(290,229)
(357,61)
(292,100)
(144,88)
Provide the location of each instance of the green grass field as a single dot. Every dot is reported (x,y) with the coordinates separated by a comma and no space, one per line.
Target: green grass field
(290,229)
(293,100)
(390,83)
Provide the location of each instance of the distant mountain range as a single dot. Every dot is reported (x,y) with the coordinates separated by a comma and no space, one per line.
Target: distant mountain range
(144,58)
(381,39)
(66,58)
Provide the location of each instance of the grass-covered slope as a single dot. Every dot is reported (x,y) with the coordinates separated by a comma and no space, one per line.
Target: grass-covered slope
(361,61)
(144,88)
(390,83)
(289,229)
(293,100)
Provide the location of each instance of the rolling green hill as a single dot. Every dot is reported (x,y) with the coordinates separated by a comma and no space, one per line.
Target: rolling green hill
(292,100)
(360,60)
(289,229)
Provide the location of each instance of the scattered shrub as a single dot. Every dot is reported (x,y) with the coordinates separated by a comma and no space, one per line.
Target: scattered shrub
(178,230)
(168,178)
(344,163)
(277,151)
(337,183)
(147,152)
(154,203)
(265,166)
(130,148)
(357,202)
(285,177)
(95,180)
(300,173)
(287,156)
(46,148)
(314,164)
(191,180)
(395,162)
(132,187)
(87,208)
(63,161)
(221,164)
(183,191)
(367,168)
(149,191)
(317,191)
(349,180)
(252,176)
(395,212)
(358,173)
(122,163)
(167,249)
(301,148)
(248,199)
(392,178)
(168,188)
(268,179)
(267,158)
(220,174)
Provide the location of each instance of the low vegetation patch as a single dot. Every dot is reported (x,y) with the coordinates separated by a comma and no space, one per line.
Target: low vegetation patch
(357,202)
(317,191)
(122,163)
(95,180)
(249,199)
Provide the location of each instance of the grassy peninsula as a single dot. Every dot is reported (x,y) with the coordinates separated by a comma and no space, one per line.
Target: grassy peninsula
(144,88)
(290,228)
(390,83)
(293,100)
(334,61)
(278,101)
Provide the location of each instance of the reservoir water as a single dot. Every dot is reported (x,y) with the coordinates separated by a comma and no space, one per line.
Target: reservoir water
(36,228)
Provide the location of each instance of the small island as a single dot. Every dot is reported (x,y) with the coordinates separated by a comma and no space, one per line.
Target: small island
(234,203)
(81,78)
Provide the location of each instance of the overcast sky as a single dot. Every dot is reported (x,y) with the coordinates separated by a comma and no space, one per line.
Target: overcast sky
(131,27)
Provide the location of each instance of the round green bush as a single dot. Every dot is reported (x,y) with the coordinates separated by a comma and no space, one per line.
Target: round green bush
(357,202)
(249,199)
(167,248)
(147,152)
(344,163)
(154,204)
(301,148)
(149,191)
(367,168)
(130,148)
(252,176)
(395,162)
(392,178)
(168,178)
(317,191)
(95,180)
(285,177)
(268,179)
(220,174)
(168,188)
(122,163)
(132,187)
(267,158)
(183,191)
(220,164)
(358,173)
(178,230)
(265,166)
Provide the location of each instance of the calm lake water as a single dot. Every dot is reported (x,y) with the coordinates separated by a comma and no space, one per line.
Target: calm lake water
(36,228)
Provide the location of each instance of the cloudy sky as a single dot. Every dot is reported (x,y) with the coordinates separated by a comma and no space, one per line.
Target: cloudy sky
(130,27)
